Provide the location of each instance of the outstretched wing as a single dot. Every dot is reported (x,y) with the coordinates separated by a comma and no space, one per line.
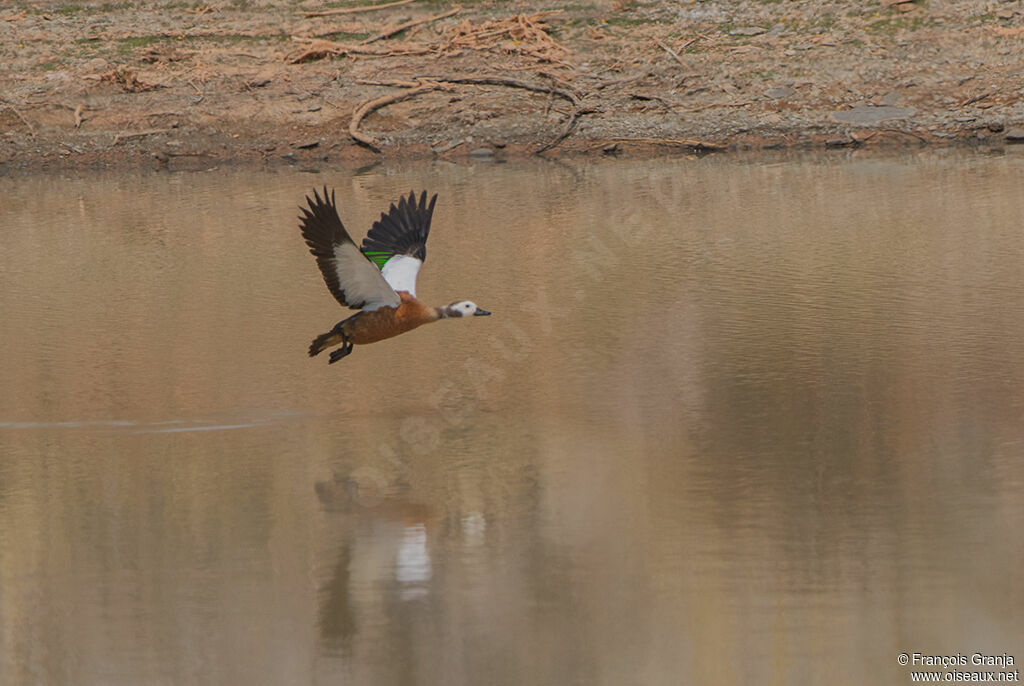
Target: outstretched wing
(352,279)
(397,242)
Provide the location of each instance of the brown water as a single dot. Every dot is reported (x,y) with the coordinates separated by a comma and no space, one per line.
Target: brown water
(731,423)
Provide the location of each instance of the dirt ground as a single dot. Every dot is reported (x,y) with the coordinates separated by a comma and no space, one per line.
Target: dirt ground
(182,84)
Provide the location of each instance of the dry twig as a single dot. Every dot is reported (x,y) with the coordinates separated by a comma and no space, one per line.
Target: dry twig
(675,55)
(78,116)
(137,134)
(395,83)
(523,34)
(712,105)
(387,33)
(623,81)
(972,100)
(693,143)
(648,97)
(351,10)
(440,150)
(126,78)
(31,129)
(320,49)
(912,134)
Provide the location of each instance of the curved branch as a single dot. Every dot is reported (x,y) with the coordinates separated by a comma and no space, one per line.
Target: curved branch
(374,105)
(387,33)
(438,82)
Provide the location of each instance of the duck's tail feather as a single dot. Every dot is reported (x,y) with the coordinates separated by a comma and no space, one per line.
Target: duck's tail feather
(324,341)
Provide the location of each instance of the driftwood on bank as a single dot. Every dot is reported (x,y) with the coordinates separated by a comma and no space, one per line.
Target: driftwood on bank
(387,33)
(428,84)
(375,104)
(525,34)
(520,34)
(352,10)
(320,49)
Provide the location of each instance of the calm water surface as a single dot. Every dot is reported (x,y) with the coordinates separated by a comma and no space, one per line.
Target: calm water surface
(731,423)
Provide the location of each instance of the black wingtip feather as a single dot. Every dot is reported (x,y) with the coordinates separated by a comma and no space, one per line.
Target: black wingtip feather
(322,228)
(404,229)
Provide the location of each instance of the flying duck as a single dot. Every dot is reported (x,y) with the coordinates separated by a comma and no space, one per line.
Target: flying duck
(378,279)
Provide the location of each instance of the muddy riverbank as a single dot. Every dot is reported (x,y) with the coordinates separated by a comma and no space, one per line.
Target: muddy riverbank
(187,84)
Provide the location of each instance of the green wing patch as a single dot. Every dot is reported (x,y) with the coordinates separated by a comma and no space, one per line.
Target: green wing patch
(378,258)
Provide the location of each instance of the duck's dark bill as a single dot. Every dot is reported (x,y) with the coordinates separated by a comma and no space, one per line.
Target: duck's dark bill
(480,313)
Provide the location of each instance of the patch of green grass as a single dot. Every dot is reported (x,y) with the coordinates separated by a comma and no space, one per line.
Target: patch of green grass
(71,9)
(233,40)
(269,38)
(127,45)
(890,25)
(51,65)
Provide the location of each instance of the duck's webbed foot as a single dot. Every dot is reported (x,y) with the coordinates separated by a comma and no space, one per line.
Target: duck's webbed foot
(341,352)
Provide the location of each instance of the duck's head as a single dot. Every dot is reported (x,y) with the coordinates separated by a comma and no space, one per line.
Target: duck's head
(463,308)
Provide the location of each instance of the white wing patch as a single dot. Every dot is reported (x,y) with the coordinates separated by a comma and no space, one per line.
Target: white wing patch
(360,280)
(400,272)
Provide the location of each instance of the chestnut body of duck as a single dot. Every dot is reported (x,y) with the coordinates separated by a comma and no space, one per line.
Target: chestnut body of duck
(379,279)
(370,327)
(377,325)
